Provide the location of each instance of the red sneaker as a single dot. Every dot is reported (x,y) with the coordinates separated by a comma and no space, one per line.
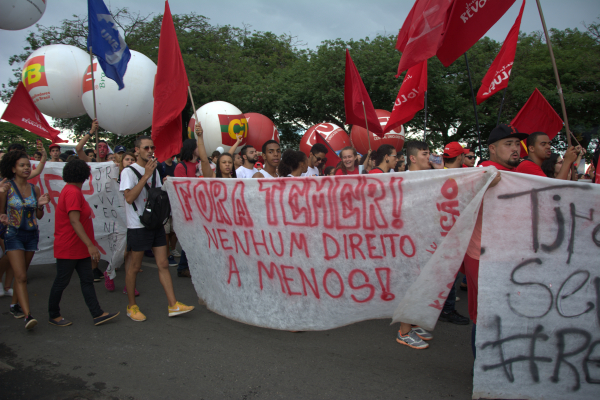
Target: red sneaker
(109,284)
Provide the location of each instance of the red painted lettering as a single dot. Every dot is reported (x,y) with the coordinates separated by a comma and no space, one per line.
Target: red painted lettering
(385,286)
(237,240)
(364,285)
(373,217)
(182,189)
(223,241)
(280,243)
(356,246)
(233,270)
(218,190)
(403,241)
(300,244)
(450,189)
(204,200)
(315,287)
(212,237)
(297,212)
(241,215)
(270,274)
(396,189)
(286,280)
(326,248)
(273,189)
(370,246)
(256,244)
(349,203)
(341,283)
(322,202)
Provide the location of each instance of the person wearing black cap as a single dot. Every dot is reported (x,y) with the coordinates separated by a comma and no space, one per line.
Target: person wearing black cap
(54,153)
(538,149)
(504,145)
(119,152)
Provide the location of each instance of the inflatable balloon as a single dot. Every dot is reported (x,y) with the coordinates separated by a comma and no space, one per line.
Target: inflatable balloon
(333,134)
(222,124)
(358,135)
(52,75)
(127,111)
(20,14)
(260,129)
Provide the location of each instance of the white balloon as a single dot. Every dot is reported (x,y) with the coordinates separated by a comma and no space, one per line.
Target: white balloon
(20,14)
(127,111)
(52,76)
(215,115)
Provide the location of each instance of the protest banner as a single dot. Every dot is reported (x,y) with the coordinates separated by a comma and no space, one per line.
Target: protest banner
(102,193)
(323,252)
(538,321)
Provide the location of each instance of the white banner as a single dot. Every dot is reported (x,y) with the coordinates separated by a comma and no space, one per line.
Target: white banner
(538,323)
(102,193)
(319,253)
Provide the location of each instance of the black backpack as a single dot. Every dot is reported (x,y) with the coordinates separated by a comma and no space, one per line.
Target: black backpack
(157,208)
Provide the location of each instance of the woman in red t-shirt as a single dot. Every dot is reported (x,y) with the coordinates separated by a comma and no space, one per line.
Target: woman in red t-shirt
(385,159)
(349,165)
(74,247)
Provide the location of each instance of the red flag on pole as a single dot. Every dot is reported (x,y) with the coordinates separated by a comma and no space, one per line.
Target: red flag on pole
(170,91)
(537,115)
(332,158)
(357,101)
(410,97)
(422,33)
(468,22)
(23,112)
(497,76)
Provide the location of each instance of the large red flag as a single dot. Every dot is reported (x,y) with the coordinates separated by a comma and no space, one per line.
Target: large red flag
(537,115)
(497,76)
(410,97)
(170,91)
(422,33)
(468,22)
(23,112)
(357,101)
(332,158)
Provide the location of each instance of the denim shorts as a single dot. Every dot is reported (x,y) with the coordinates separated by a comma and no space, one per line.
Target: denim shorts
(18,239)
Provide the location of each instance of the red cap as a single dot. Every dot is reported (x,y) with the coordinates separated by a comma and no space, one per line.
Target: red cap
(258,164)
(54,145)
(454,149)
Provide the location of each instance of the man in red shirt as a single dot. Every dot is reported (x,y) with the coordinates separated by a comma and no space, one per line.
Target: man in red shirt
(470,159)
(504,145)
(538,148)
(454,155)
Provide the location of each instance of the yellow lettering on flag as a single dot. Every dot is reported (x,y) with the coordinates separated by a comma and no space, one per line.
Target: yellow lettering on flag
(238,127)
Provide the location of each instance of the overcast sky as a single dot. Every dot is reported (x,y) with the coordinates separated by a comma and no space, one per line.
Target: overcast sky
(312,21)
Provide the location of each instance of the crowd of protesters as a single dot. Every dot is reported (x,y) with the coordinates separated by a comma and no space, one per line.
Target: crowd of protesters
(139,172)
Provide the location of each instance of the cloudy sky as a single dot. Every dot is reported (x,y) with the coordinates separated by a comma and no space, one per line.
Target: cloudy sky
(312,21)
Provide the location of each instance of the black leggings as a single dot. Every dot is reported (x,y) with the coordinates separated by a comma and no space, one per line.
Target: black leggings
(64,271)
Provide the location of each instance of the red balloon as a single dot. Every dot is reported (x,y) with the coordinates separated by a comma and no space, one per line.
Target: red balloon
(333,134)
(358,135)
(260,129)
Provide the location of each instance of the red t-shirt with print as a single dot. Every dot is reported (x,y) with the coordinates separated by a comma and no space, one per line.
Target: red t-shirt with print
(67,244)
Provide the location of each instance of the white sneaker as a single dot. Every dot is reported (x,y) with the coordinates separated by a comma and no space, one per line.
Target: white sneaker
(2,292)
(175,253)
(8,292)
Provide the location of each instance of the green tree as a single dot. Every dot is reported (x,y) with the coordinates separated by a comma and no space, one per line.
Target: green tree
(11,134)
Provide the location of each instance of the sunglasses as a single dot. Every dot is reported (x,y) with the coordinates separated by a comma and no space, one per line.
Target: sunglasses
(149,148)
(319,159)
(470,157)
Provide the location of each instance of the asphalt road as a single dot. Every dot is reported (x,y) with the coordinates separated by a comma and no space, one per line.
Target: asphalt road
(202,355)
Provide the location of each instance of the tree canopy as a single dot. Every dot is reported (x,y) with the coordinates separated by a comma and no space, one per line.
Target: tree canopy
(298,87)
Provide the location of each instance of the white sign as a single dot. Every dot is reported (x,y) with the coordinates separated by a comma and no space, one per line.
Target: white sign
(323,252)
(538,323)
(101,192)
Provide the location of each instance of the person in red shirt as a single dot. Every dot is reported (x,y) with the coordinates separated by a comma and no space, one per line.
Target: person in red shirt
(385,159)
(418,154)
(454,155)
(538,148)
(189,160)
(349,165)
(470,159)
(74,246)
(504,145)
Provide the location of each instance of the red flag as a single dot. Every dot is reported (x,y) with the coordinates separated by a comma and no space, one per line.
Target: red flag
(23,112)
(332,158)
(597,176)
(357,101)
(537,115)
(410,97)
(422,33)
(468,22)
(497,76)
(170,91)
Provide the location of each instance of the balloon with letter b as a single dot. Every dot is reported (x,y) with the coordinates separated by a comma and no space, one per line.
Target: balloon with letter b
(52,75)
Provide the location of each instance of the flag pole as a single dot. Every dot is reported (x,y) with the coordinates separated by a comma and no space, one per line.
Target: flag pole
(501,104)
(474,105)
(94,97)
(560,92)
(193,106)
(425,127)
(367,125)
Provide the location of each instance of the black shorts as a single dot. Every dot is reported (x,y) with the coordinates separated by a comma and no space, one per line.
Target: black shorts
(141,239)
